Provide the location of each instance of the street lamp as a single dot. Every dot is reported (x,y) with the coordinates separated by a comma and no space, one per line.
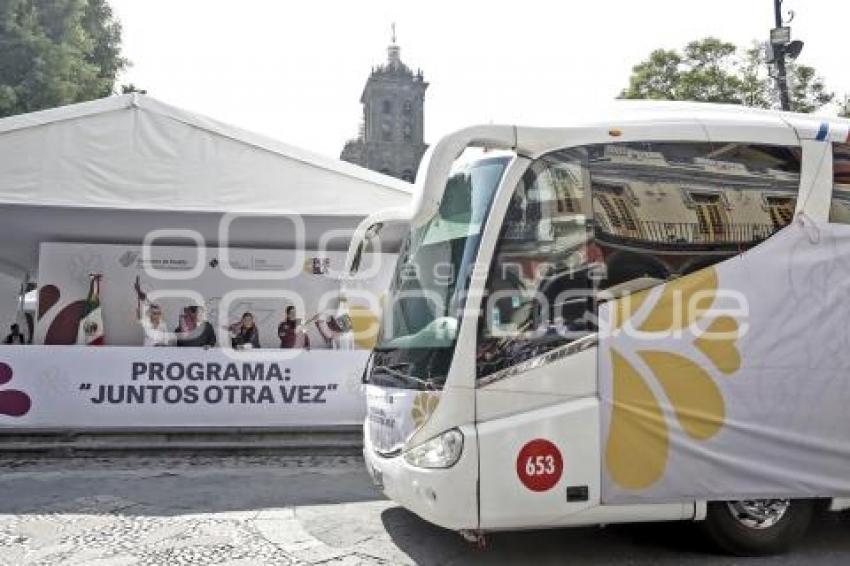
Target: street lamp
(793,49)
(779,47)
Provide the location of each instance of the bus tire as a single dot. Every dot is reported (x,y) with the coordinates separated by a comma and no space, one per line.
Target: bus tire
(757,527)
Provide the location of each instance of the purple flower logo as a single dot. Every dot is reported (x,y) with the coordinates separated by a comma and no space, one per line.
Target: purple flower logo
(13,403)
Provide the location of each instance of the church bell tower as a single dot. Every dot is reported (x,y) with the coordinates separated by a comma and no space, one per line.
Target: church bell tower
(391,138)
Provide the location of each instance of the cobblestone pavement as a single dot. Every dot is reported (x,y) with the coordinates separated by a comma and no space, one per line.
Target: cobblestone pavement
(290,510)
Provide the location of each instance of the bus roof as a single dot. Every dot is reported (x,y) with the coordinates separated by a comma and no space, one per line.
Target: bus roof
(711,117)
(624,121)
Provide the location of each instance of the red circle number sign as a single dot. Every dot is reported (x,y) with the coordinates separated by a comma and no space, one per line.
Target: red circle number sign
(539,465)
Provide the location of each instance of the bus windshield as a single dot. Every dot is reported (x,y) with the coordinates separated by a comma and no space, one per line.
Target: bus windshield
(422,313)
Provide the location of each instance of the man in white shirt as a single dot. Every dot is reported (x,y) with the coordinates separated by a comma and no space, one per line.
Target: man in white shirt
(156,331)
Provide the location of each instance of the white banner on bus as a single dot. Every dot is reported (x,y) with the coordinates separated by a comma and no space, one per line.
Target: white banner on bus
(733,381)
(125,387)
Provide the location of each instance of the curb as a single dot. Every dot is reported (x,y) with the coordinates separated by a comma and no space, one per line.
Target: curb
(343,440)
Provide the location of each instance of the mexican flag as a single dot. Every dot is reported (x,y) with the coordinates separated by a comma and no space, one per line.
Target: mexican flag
(90,331)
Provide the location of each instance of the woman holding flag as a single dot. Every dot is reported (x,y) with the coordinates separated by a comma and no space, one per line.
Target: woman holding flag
(156,331)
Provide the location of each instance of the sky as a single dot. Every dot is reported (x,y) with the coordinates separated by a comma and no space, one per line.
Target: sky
(294,70)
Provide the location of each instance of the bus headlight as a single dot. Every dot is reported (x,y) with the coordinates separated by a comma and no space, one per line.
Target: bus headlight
(440,452)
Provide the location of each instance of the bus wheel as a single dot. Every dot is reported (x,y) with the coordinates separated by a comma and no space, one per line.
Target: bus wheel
(757,527)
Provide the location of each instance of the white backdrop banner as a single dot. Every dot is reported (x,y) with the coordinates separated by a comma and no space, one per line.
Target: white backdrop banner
(226,282)
(83,387)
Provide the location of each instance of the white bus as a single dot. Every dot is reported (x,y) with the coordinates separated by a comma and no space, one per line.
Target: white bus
(641,317)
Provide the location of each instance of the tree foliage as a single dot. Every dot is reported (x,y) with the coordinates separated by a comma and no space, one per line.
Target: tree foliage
(131,88)
(711,70)
(57,52)
(844,107)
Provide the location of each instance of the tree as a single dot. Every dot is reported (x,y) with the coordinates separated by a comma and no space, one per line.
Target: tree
(756,88)
(710,70)
(808,90)
(844,108)
(657,78)
(105,31)
(131,88)
(710,73)
(56,52)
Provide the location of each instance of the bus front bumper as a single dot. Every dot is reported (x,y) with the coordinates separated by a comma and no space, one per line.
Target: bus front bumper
(445,497)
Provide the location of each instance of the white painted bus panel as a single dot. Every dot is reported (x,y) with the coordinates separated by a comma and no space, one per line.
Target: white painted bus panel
(767,129)
(561,381)
(815,180)
(573,428)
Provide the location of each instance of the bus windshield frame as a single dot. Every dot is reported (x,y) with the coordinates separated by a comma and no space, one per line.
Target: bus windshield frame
(423,308)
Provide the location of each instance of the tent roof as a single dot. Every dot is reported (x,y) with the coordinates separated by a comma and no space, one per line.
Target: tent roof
(126,134)
(114,169)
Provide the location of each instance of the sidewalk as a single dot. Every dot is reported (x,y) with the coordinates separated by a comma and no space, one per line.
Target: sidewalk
(333,440)
(282,510)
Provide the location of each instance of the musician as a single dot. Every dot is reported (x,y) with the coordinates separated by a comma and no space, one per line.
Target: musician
(244,334)
(194,331)
(291,332)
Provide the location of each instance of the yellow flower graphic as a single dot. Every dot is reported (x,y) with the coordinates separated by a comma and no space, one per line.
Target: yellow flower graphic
(424,405)
(364,326)
(638,436)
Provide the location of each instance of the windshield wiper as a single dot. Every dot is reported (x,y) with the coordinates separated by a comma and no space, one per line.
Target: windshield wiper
(429,384)
(383,349)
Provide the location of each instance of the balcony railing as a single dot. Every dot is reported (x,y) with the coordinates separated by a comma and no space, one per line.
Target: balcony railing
(691,233)
(672,234)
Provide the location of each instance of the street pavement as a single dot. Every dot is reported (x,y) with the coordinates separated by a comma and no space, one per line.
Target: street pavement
(296,510)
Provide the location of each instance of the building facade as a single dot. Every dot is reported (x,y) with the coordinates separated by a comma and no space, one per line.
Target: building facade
(391,138)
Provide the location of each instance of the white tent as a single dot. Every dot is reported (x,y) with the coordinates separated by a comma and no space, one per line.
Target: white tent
(112,170)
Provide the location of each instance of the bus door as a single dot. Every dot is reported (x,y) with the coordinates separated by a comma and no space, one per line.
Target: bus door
(536,410)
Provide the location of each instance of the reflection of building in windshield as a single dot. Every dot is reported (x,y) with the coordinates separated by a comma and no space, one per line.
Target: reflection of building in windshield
(622,218)
(840,209)
(545,230)
(674,208)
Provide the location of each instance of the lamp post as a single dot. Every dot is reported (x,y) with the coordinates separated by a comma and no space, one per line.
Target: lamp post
(780,46)
(779,51)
